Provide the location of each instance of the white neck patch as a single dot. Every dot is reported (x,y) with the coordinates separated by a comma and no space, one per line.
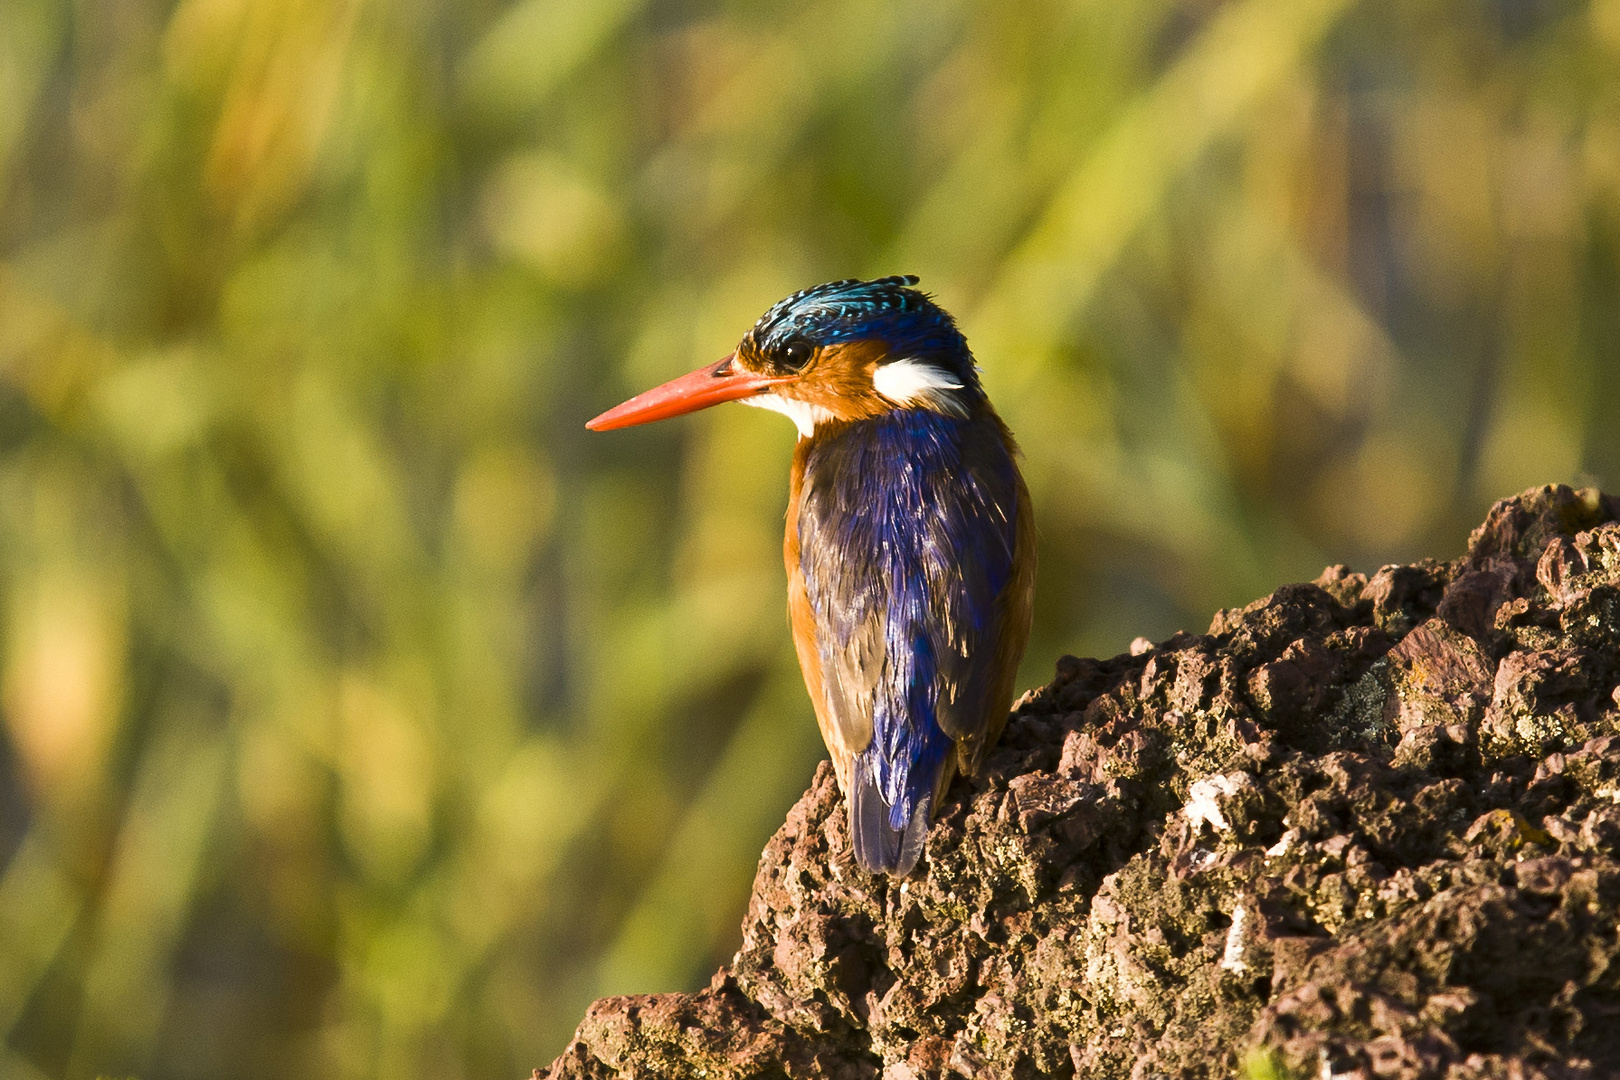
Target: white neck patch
(913,382)
(802,413)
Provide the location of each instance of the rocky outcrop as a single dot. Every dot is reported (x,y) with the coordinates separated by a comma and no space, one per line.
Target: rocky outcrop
(1367,826)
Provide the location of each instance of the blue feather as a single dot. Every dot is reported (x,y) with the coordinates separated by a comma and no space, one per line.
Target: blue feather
(907,518)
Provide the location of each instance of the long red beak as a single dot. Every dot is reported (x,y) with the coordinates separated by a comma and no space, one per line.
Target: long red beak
(706,386)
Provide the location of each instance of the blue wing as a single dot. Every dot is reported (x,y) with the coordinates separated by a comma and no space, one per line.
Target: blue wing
(908,528)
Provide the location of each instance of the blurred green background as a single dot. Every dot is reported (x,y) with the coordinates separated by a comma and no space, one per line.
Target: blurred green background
(366,717)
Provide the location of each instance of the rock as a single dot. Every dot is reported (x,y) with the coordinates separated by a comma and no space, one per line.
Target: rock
(1365,827)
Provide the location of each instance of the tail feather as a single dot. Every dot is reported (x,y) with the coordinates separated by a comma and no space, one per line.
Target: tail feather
(879,845)
(916,835)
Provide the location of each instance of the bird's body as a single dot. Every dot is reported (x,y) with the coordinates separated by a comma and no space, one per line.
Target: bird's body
(909,609)
(909,548)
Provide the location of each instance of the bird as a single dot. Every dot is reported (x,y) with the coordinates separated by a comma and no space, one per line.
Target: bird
(910,542)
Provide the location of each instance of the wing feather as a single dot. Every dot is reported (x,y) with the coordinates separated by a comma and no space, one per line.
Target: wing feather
(907,539)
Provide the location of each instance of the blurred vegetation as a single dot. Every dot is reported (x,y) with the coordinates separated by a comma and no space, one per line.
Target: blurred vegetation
(364,716)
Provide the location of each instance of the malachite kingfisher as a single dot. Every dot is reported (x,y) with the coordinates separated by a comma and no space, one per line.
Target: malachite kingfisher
(910,544)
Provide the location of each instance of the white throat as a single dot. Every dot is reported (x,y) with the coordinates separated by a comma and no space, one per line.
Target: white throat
(802,413)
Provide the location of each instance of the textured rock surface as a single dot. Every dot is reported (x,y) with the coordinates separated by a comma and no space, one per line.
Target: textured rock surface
(1363,827)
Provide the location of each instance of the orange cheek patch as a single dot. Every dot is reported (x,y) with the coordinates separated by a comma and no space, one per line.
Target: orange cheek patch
(841,380)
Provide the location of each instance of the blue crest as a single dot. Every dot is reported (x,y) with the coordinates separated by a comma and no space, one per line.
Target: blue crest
(886,309)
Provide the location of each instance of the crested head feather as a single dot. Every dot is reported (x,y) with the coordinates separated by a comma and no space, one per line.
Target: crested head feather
(850,350)
(886,309)
(842,306)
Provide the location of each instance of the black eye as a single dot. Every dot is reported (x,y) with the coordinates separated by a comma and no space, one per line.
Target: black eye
(794,354)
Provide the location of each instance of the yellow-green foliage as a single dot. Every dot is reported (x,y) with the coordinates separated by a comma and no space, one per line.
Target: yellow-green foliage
(364,716)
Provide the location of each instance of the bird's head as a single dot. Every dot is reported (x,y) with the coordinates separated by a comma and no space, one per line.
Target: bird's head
(846,350)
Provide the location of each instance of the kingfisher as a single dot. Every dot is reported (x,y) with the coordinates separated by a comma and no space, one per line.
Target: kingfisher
(910,545)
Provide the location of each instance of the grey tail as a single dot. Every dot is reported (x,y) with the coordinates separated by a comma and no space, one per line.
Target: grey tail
(879,846)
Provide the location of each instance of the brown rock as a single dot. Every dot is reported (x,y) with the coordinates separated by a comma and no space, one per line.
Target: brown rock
(1364,827)
(1440,677)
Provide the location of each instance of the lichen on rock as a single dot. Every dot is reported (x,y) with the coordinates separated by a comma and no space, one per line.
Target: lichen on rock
(1364,827)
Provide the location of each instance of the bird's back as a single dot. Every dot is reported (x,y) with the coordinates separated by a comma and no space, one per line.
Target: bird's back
(910,564)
